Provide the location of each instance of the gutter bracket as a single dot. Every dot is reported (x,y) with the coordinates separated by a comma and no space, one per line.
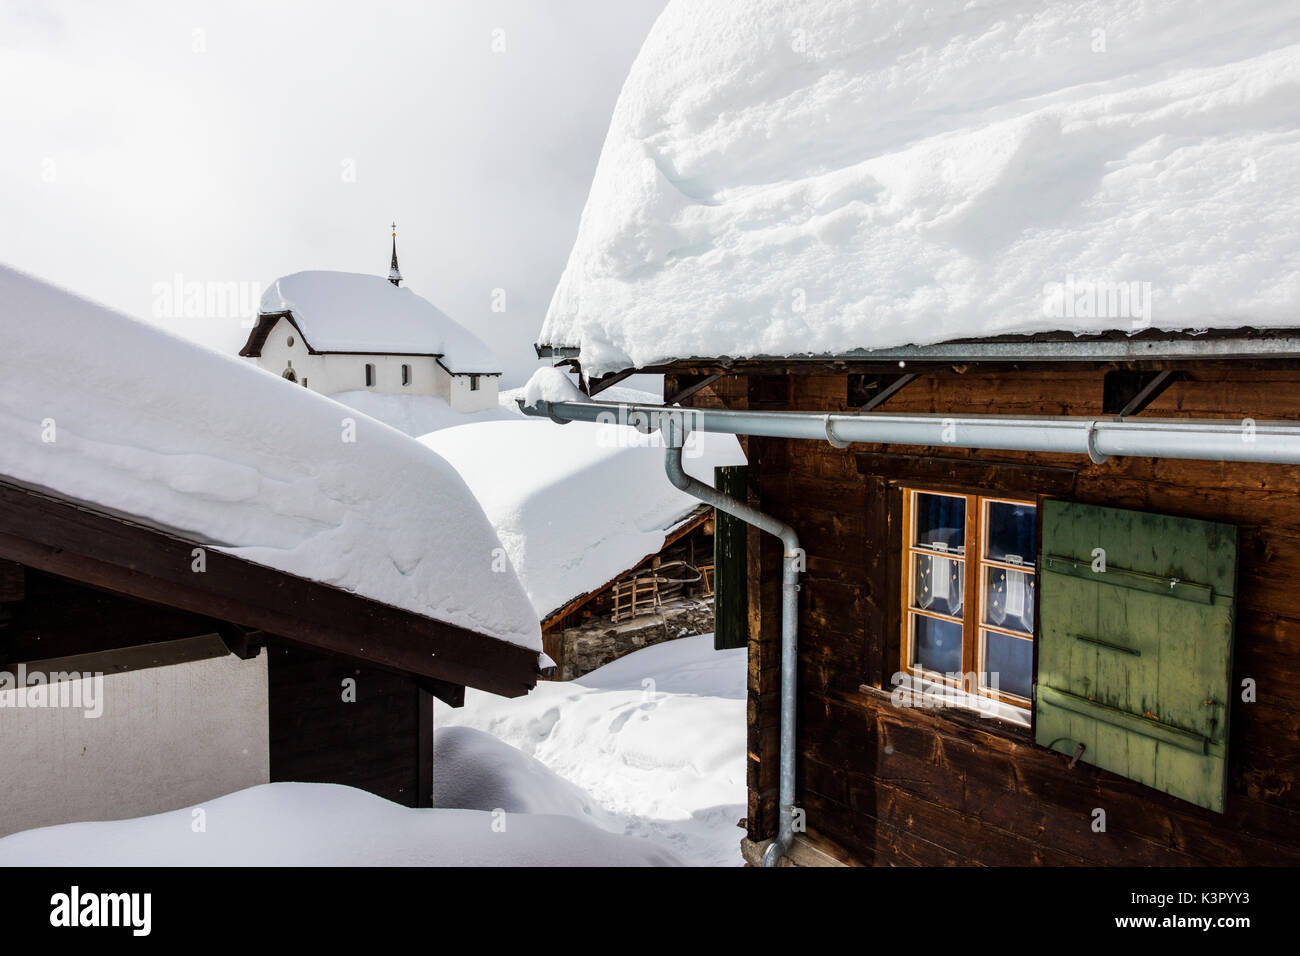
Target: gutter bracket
(830,435)
(1090,439)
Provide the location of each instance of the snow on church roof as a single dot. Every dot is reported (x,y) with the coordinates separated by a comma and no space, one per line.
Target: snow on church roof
(817,177)
(183,438)
(350,312)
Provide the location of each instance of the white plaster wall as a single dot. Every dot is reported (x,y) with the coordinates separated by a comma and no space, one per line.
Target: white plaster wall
(333,373)
(464,400)
(169,737)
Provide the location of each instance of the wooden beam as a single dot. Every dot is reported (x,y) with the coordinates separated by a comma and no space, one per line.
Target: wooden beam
(888,391)
(974,475)
(242,642)
(114,554)
(11,581)
(605,381)
(689,390)
(120,660)
(1150,391)
(453,695)
(61,618)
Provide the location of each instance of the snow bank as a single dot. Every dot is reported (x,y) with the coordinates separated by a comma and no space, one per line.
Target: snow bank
(575,505)
(476,771)
(349,312)
(100,408)
(655,740)
(317,824)
(416,414)
(814,177)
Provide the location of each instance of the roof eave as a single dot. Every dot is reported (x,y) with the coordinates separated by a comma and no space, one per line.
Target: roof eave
(1234,344)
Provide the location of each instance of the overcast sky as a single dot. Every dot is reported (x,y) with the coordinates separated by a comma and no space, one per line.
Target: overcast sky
(237,142)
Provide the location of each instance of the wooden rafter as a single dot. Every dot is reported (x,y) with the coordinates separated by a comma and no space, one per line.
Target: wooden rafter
(104,551)
(685,393)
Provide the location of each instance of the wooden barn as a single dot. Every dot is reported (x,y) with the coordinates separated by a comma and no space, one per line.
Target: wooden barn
(666,595)
(1024,657)
(284,679)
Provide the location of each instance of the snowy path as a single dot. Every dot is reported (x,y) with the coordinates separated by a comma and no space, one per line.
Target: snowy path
(652,745)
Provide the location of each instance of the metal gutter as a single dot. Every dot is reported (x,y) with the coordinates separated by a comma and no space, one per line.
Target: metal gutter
(1099,438)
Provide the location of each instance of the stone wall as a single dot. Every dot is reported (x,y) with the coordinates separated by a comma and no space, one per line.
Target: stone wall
(596,643)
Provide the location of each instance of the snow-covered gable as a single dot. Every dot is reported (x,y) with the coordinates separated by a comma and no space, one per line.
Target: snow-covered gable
(575,505)
(100,408)
(818,177)
(351,312)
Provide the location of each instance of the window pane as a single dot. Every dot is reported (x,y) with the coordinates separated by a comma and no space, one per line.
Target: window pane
(936,644)
(1009,599)
(940,520)
(938,584)
(1011,532)
(1008,663)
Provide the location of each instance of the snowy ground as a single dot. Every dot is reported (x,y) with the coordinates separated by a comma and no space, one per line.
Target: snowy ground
(417,414)
(652,746)
(640,763)
(318,824)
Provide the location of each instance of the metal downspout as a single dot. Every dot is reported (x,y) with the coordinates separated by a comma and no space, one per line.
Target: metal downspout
(792,564)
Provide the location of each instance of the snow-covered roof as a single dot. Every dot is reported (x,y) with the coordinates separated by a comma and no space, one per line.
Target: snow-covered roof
(820,177)
(575,505)
(350,312)
(100,408)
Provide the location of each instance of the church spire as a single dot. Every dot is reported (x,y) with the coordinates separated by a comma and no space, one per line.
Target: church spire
(394,273)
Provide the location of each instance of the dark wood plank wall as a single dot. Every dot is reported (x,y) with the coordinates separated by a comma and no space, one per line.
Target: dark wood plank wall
(381,742)
(910,786)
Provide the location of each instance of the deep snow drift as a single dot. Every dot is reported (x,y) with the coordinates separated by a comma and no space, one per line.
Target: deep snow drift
(351,312)
(641,762)
(653,745)
(576,505)
(416,414)
(318,824)
(785,178)
(101,408)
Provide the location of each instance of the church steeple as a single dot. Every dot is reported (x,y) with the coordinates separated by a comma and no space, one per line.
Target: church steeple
(394,273)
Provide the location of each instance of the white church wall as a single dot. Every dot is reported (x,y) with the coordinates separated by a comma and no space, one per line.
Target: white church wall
(168,737)
(338,372)
(465,399)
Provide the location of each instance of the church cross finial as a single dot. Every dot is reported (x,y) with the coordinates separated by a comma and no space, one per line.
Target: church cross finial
(394,273)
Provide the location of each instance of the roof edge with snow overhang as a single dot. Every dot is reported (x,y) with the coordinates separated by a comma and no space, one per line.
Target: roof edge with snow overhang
(1244,343)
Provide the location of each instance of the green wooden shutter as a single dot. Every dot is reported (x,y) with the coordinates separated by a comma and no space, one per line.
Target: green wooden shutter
(730,563)
(1135,662)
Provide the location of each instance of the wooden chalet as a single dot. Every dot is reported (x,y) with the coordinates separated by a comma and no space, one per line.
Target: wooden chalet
(970,689)
(675,582)
(84,591)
